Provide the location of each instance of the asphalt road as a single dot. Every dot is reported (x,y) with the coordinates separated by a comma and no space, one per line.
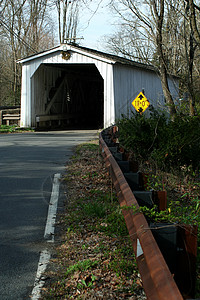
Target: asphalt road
(28,163)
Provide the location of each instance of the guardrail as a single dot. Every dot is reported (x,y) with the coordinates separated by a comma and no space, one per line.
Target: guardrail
(157,279)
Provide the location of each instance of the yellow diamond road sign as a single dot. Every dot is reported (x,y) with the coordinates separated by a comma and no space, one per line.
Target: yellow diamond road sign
(140,102)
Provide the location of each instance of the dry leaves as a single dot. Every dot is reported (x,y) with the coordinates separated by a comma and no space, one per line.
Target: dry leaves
(90,264)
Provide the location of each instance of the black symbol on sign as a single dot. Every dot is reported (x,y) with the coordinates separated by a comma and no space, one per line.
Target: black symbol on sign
(140,97)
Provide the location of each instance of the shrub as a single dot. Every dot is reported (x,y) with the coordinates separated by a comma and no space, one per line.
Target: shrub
(179,145)
(140,133)
(169,143)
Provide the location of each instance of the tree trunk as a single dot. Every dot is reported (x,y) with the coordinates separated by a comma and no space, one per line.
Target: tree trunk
(162,62)
(166,91)
(193,22)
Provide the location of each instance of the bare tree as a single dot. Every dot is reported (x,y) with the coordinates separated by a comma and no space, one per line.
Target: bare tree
(150,22)
(166,34)
(194,9)
(67,19)
(25,30)
(128,42)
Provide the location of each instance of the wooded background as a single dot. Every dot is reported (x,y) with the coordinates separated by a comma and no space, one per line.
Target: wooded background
(163,33)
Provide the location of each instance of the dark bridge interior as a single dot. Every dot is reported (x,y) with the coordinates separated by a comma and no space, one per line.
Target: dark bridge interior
(77,98)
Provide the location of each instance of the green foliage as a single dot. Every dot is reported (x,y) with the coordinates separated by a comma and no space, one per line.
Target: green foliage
(180,144)
(84,284)
(139,133)
(168,143)
(94,209)
(81,266)
(6,128)
(120,262)
(100,206)
(12,129)
(154,182)
(185,210)
(179,211)
(88,147)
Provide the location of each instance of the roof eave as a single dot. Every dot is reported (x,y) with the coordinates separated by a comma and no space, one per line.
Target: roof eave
(66,47)
(37,55)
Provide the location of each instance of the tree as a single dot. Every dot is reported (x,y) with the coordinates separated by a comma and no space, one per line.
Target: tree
(148,20)
(194,8)
(129,43)
(24,30)
(170,28)
(67,19)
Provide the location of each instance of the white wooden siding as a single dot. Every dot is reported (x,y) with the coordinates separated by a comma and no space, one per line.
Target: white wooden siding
(130,81)
(33,77)
(122,83)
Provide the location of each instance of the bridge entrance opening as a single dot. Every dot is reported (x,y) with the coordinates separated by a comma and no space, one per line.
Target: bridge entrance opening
(73,98)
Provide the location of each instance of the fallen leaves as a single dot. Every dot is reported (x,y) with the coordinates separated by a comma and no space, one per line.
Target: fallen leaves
(90,264)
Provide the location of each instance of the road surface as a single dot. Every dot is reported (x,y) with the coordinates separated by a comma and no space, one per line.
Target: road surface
(28,163)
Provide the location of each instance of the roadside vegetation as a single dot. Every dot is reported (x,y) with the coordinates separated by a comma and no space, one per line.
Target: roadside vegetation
(13,128)
(94,258)
(168,153)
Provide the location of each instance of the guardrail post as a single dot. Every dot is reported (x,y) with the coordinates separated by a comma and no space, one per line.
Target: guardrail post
(157,280)
(186,259)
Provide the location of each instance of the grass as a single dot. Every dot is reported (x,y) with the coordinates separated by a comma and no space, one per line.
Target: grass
(13,128)
(81,266)
(95,258)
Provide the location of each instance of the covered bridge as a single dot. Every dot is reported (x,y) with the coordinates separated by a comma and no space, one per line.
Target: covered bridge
(74,85)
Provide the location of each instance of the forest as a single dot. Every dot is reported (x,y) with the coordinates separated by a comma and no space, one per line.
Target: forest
(163,33)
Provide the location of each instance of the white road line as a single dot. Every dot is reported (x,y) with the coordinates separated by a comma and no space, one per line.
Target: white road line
(51,218)
(43,262)
(49,235)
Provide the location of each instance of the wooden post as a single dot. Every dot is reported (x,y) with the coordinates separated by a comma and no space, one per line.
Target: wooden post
(1,120)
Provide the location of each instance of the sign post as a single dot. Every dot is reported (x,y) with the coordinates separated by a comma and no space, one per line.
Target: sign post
(140,103)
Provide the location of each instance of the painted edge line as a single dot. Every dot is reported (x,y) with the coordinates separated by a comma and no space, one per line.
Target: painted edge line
(43,262)
(51,218)
(45,255)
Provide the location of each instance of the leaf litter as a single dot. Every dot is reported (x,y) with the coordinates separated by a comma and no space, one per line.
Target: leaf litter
(93,257)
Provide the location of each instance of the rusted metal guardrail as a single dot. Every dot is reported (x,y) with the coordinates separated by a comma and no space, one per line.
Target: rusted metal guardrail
(157,280)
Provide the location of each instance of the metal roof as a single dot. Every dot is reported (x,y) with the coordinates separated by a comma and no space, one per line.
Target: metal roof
(99,55)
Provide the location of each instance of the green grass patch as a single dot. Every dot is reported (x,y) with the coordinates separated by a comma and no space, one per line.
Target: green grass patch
(81,266)
(13,128)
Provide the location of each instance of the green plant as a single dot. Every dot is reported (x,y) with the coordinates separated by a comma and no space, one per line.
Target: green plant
(177,212)
(169,150)
(87,283)
(154,182)
(140,134)
(115,224)
(103,239)
(81,266)
(120,264)
(151,214)
(186,212)
(84,247)
(94,209)
(13,128)
(180,144)
(169,143)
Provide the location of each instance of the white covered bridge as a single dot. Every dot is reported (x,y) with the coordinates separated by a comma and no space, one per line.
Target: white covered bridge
(73,85)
